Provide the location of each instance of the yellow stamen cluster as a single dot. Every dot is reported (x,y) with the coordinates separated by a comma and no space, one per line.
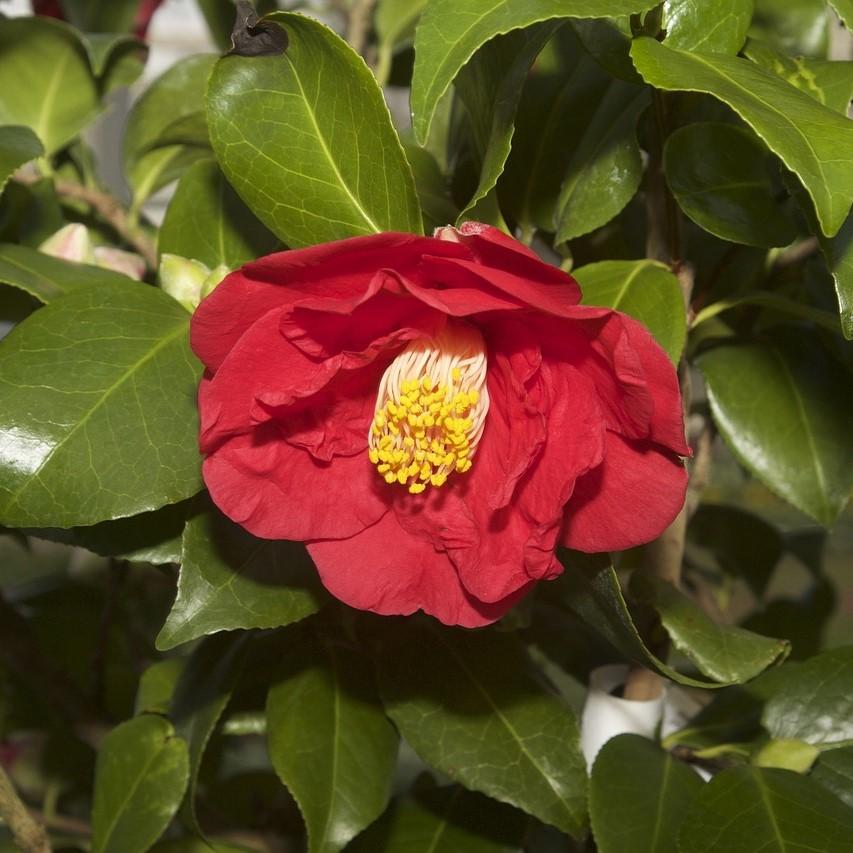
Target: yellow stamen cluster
(424,435)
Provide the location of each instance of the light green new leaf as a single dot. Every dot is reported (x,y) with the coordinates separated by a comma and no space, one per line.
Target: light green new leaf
(817,705)
(330,741)
(307,141)
(638,797)
(745,809)
(473,706)
(720,174)
(450,33)
(231,580)
(18,145)
(707,26)
(98,416)
(785,410)
(207,221)
(444,820)
(646,290)
(46,277)
(140,779)
(812,140)
(46,80)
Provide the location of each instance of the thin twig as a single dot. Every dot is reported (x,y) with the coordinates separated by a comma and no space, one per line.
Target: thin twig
(794,254)
(358,24)
(28,833)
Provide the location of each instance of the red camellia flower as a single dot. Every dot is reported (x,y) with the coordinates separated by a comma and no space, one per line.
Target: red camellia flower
(433,415)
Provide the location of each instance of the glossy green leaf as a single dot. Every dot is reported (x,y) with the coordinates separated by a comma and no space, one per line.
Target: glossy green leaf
(151,157)
(306,140)
(18,145)
(812,140)
(201,694)
(707,26)
(230,580)
(47,278)
(817,705)
(473,706)
(46,80)
(646,290)
(838,251)
(207,221)
(444,820)
(745,809)
(785,409)
(834,770)
(330,742)
(98,414)
(450,33)
(608,42)
(638,797)
(720,174)
(140,779)
(795,27)
(101,16)
(725,653)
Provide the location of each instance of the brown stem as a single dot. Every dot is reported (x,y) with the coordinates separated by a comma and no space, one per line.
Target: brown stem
(28,833)
(359,23)
(109,209)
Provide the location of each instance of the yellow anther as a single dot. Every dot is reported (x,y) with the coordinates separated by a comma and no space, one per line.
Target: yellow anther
(376,430)
(456,373)
(390,477)
(427,383)
(402,476)
(408,441)
(463,452)
(417,488)
(383,467)
(385,441)
(474,396)
(374,455)
(426,472)
(438,479)
(393,429)
(428,420)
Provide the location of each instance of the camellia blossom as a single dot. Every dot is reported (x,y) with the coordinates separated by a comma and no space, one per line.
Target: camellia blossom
(433,416)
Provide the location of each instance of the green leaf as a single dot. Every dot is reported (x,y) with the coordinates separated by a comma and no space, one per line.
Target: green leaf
(98,418)
(47,278)
(450,33)
(201,694)
(207,221)
(473,706)
(394,22)
(140,779)
(230,580)
(18,145)
(845,11)
(432,187)
(817,705)
(101,16)
(795,27)
(720,174)
(834,770)
(745,809)
(151,157)
(786,754)
(444,820)
(638,797)
(806,456)
(608,41)
(838,251)
(490,86)
(46,80)
(725,653)
(306,140)
(707,26)
(646,290)
(156,686)
(330,742)
(117,60)
(812,140)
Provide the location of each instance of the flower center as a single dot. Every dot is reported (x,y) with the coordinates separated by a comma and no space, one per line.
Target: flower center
(431,409)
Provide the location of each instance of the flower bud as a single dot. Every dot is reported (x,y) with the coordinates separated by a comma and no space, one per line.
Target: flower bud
(183,279)
(71,243)
(127,263)
(216,275)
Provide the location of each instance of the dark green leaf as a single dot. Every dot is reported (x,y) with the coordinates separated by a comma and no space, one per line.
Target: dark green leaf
(98,417)
(101,16)
(838,251)
(444,820)
(18,145)
(817,705)
(46,80)
(139,782)
(202,691)
(433,191)
(156,686)
(812,140)
(229,580)
(806,455)
(707,26)
(608,42)
(720,175)
(306,140)
(834,770)
(450,33)
(638,797)
(746,809)
(207,221)
(723,652)
(46,277)
(473,706)
(330,741)
(646,290)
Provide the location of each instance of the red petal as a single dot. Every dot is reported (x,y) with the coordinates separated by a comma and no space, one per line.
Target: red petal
(631,498)
(386,570)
